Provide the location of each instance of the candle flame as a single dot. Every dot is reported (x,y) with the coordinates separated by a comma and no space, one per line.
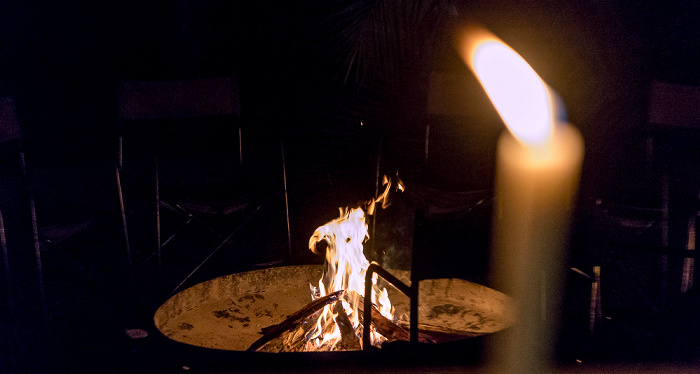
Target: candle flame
(521,97)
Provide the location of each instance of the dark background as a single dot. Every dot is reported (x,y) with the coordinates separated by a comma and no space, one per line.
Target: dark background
(61,61)
(343,83)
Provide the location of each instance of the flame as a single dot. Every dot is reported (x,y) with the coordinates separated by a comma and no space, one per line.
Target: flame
(346,266)
(521,97)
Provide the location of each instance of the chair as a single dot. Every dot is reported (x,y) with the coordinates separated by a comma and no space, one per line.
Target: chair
(193,107)
(45,236)
(673,129)
(632,236)
(11,141)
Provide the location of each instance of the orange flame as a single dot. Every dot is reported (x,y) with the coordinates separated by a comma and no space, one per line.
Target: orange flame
(346,266)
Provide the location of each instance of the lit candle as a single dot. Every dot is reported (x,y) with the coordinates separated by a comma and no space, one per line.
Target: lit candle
(537,173)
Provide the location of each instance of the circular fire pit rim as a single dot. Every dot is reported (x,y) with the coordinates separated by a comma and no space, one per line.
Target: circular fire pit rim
(251,300)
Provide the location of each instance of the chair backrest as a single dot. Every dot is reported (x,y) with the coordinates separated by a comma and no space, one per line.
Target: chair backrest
(149,100)
(9,125)
(674,105)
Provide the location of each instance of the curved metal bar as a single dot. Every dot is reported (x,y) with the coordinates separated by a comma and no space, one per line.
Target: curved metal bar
(367,308)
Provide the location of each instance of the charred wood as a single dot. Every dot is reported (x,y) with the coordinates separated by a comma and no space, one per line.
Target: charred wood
(294,320)
(348,340)
(426,333)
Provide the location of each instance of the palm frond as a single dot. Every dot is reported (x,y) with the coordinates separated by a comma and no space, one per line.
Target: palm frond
(379,39)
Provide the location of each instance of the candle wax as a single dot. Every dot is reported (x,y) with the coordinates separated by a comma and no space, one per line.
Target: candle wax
(535,190)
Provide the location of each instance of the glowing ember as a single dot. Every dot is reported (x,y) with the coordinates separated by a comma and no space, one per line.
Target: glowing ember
(345,269)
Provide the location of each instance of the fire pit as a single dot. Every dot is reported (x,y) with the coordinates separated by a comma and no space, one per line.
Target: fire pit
(229,312)
(347,304)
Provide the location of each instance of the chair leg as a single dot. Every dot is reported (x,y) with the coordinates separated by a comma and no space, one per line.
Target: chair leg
(176,232)
(221,245)
(6,264)
(688,261)
(159,245)
(286,203)
(37,252)
(175,207)
(3,246)
(596,309)
(124,226)
(665,215)
(240,147)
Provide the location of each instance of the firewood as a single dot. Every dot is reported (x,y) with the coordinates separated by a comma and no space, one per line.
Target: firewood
(426,333)
(384,326)
(387,328)
(293,340)
(294,319)
(348,340)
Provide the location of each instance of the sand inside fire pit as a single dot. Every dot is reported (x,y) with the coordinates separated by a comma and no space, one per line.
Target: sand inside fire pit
(228,312)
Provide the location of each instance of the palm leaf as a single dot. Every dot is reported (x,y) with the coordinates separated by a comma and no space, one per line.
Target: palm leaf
(378,40)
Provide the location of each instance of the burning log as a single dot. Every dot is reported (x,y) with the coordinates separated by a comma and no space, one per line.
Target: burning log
(294,320)
(388,329)
(293,340)
(426,333)
(348,340)
(296,338)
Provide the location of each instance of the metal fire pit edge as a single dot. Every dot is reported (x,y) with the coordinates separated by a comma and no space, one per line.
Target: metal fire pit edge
(215,321)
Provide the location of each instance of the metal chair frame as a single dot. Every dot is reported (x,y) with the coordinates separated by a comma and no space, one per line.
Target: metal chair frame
(43,237)
(184,100)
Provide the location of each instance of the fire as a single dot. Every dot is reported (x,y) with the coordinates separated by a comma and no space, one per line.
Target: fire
(345,269)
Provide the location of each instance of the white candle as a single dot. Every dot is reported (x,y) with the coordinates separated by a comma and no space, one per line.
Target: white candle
(537,174)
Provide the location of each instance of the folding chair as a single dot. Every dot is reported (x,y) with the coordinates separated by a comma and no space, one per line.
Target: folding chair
(673,129)
(45,236)
(11,141)
(195,104)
